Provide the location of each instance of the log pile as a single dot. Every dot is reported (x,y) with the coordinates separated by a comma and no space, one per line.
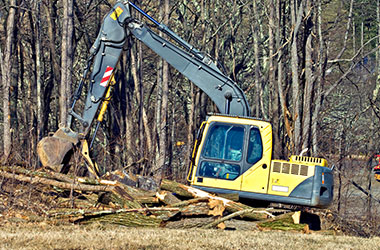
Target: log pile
(115,199)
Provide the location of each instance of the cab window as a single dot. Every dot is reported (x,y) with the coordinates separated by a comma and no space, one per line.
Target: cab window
(219,170)
(255,146)
(225,142)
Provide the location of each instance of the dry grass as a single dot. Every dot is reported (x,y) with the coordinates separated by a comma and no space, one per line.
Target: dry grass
(43,236)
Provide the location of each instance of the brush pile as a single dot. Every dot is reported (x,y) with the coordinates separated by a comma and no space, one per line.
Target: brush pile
(115,198)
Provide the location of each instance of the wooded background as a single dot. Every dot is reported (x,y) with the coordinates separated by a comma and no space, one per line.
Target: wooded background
(310,67)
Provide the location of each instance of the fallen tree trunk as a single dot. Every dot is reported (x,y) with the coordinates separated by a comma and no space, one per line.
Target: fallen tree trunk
(134,192)
(231,206)
(195,209)
(47,174)
(82,212)
(176,188)
(188,202)
(148,200)
(233,215)
(119,194)
(127,219)
(63,185)
(189,223)
(167,197)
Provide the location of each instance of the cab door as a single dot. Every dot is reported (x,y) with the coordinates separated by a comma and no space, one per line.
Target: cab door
(221,158)
(258,158)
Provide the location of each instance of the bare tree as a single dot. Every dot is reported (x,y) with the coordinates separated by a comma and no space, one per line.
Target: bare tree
(67,58)
(163,125)
(6,79)
(319,82)
(296,18)
(309,77)
(39,71)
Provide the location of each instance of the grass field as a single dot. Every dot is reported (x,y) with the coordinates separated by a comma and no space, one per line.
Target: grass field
(44,236)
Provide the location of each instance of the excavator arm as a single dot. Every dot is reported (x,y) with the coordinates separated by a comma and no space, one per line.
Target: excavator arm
(104,57)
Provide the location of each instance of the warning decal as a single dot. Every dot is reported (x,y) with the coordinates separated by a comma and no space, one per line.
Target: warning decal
(116,13)
(106,76)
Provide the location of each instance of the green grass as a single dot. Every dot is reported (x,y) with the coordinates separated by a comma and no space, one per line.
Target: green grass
(96,236)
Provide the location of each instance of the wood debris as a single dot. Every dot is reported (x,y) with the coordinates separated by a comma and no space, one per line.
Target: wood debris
(115,199)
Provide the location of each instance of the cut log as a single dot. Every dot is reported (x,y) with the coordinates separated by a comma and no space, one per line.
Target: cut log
(189,223)
(120,195)
(216,207)
(63,185)
(188,202)
(148,200)
(296,217)
(233,215)
(123,198)
(231,206)
(60,177)
(176,188)
(134,192)
(89,212)
(47,174)
(282,222)
(123,218)
(278,217)
(90,215)
(140,182)
(167,197)
(197,209)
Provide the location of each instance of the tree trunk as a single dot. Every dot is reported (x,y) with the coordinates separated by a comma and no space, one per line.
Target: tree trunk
(376,90)
(190,127)
(163,128)
(67,58)
(275,109)
(296,17)
(50,12)
(143,119)
(158,106)
(280,84)
(126,109)
(273,103)
(54,67)
(309,80)
(38,72)
(320,83)
(255,30)
(6,79)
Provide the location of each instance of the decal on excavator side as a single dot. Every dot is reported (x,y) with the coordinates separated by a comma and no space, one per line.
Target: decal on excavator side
(116,13)
(106,76)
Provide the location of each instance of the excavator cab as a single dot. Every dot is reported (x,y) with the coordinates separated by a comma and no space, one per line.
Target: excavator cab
(234,155)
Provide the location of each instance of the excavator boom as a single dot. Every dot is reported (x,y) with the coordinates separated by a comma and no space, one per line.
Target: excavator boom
(104,57)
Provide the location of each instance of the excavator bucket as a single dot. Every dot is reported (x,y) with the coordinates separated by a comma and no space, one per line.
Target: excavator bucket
(52,150)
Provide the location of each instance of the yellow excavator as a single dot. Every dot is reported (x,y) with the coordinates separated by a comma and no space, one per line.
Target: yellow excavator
(233,151)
